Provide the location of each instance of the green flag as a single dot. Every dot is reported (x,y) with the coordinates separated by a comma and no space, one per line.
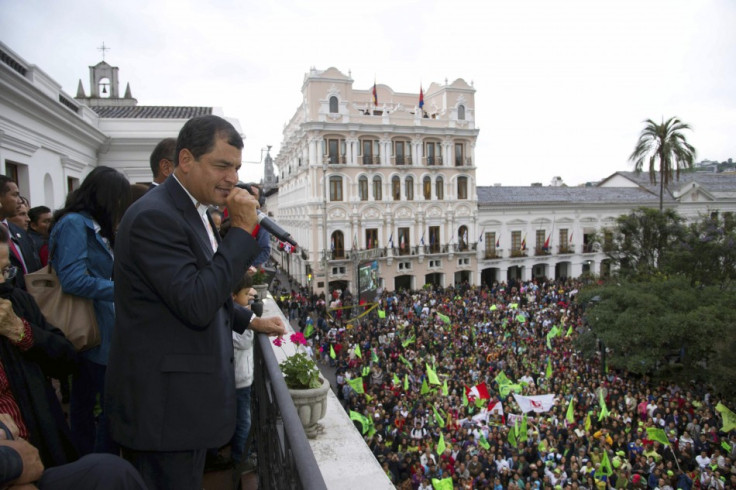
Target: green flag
(396,380)
(425,387)
(549,343)
(309,330)
(726,446)
(357,351)
(588,424)
(432,375)
(441,444)
(659,435)
(523,431)
(570,416)
(403,359)
(520,318)
(606,464)
(512,435)
(445,390)
(479,402)
(604,409)
(406,382)
(366,371)
(548,374)
(494,307)
(444,318)
(364,421)
(569,331)
(729,418)
(374,356)
(332,352)
(504,390)
(381,314)
(465,399)
(438,418)
(501,379)
(444,484)
(513,306)
(484,442)
(409,340)
(357,385)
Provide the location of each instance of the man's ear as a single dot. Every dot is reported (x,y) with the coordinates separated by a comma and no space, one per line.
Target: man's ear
(186,160)
(166,167)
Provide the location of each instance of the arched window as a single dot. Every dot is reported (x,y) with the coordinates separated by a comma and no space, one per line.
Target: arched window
(396,188)
(462,187)
(462,238)
(409,188)
(363,188)
(427,188)
(461,113)
(377,188)
(337,245)
(335,188)
(334,104)
(440,188)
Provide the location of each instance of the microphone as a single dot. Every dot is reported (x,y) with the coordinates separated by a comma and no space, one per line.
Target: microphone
(267,223)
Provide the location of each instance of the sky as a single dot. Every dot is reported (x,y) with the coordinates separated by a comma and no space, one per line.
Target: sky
(562,87)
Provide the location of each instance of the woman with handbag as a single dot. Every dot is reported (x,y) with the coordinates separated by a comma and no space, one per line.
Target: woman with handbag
(81,252)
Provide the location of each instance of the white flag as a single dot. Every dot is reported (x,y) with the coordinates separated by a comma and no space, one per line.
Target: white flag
(539,403)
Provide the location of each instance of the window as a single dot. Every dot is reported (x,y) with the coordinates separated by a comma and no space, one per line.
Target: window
(333,105)
(433,153)
(434,239)
(540,238)
(427,188)
(409,188)
(440,188)
(335,150)
(377,188)
(462,187)
(363,188)
(370,151)
(371,238)
(404,242)
(335,188)
(396,188)
(564,241)
(515,242)
(337,245)
(462,238)
(490,239)
(402,152)
(460,112)
(459,154)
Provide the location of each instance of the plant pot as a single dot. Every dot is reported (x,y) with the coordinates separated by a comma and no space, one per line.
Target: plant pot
(262,290)
(311,405)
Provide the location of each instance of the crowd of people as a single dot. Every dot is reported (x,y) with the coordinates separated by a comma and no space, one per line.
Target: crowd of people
(497,340)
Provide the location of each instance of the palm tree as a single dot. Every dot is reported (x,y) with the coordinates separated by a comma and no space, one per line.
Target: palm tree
(666,143)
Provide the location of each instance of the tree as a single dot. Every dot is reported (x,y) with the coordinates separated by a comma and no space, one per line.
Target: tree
(663,327)
(664,143)
(643,239)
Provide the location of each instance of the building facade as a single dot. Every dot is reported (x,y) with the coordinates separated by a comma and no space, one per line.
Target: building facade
(49,140)
(368,175)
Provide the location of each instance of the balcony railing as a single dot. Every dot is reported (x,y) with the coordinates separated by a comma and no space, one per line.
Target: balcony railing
(493,254)
(371,160)
(334,159)
(589,248)
(518,253)
(566,249)
(285,458)
(433,160)
(541,251)
(402,160)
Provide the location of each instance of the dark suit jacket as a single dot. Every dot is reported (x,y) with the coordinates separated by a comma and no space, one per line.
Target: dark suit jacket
(30,255)
(170,378)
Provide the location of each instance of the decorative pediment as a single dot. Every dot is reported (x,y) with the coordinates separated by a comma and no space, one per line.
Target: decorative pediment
(462,211)
(434,212)
(337,214)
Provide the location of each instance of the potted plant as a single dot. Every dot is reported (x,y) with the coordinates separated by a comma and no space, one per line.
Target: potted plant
(259,282)
(307,388)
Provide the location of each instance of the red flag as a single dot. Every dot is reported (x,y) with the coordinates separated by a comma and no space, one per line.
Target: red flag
(421,97)
(375,94)
(546,243)
(477,391)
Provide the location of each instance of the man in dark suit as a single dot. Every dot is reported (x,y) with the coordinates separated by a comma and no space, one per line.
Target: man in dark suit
(162,161)
(170,387)
(23,253)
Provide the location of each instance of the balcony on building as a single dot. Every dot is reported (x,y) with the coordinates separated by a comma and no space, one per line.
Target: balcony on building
(566,249)
(518,252)
(432,161)
(540,251)
(493,253)
(337,457)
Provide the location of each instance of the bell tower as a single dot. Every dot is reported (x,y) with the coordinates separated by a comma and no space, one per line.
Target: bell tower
(104,86)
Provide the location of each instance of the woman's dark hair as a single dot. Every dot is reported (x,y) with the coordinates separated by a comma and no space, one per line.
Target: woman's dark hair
(245,282)
(104,195)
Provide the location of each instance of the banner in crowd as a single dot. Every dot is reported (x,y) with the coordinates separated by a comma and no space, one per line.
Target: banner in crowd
(538,403)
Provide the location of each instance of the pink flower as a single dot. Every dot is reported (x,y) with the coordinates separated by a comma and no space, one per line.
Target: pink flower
(278,341)
(298,338)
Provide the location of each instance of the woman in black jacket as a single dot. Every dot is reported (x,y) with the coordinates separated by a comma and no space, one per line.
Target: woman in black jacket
(31,350)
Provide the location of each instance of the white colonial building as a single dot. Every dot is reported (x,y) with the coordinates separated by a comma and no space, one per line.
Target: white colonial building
(367,175)
(50,140)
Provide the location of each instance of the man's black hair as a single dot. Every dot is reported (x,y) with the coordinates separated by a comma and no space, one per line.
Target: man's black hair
(165,148)
(35,213)
(199,133)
